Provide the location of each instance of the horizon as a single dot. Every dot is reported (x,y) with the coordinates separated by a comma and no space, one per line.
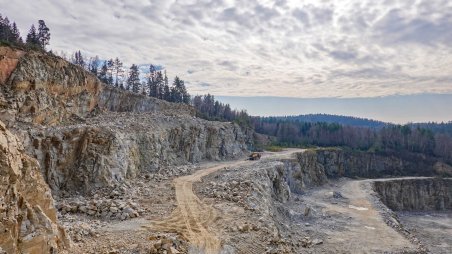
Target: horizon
(396,109)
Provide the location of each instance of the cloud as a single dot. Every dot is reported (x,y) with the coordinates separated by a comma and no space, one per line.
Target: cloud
(261,47)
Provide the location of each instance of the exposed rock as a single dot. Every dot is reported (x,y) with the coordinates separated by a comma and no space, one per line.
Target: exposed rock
(108,149)
(416,194)
(79,152)
(315,166)
(28,217)
(43,89)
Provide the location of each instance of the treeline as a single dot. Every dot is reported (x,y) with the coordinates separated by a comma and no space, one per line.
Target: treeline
(441,128)
(211,109)
(406,138)
(344,120)
(36,39)
(112,72)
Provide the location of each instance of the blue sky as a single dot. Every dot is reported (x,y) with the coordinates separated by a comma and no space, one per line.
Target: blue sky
(285,48)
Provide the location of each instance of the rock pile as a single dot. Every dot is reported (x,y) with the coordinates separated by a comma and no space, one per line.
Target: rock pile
(234,191)
(104,208)
(168,244)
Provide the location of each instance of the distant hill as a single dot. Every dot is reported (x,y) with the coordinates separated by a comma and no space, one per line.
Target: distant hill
(343,120)
(441,128)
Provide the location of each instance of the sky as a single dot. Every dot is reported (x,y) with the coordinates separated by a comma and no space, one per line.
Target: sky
(283,48)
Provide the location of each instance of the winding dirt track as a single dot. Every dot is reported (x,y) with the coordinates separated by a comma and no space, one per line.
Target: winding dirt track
(192,217)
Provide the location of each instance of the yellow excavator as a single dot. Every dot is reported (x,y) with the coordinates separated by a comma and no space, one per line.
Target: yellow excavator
(254,156)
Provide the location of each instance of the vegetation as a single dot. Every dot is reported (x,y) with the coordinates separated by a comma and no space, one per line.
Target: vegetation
(391,138)
(36,39)
(343,120)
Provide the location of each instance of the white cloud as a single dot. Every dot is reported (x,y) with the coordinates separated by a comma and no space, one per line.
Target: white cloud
(260,47)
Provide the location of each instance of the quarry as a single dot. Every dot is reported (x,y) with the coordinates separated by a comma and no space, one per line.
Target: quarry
(87,168)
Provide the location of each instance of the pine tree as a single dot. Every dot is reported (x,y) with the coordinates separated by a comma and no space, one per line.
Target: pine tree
(179,93)
(166,93)
(110,67)
(119,71)
(78,59)
(1,28)
(5,29)
(134,79)
(32,38)
(159,85)
(103,73)
(93,65)
(152,85)
(16,34)
(43,34)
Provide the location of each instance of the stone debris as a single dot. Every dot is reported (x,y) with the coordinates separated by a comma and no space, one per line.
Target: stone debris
(164,244)
(104,208)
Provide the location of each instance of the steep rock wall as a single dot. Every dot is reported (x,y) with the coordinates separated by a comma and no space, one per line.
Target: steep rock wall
(416,194)
(314,167)
(102,152)
(345,163)
(28,219)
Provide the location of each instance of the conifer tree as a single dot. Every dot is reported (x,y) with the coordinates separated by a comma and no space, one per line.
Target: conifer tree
(16,34)
(5,29)
(133,80)
(93,65)
(78,59)
(43,34)
(159,85)
(152,84)
(110,67)
(103,73)
(32,37)
(119,71)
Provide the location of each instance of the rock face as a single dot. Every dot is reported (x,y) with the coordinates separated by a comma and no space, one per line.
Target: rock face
(344,163)
(27,214)
(43,89)
(106,150)
(416,194)
(315,166)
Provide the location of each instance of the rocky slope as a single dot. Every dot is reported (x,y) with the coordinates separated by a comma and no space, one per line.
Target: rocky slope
(27,214)
(87,135)
(44,89)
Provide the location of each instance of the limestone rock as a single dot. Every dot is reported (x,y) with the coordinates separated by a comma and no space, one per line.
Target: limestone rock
(27,214)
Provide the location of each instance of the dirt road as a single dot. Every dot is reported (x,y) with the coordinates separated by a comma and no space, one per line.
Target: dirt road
(192,217)
(364,229)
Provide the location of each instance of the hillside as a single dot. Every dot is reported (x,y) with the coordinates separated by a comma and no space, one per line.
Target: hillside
(338,119)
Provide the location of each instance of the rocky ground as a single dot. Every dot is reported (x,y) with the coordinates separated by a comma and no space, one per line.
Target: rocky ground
(116,220)
(339,217)
(434,229)
(255,212)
